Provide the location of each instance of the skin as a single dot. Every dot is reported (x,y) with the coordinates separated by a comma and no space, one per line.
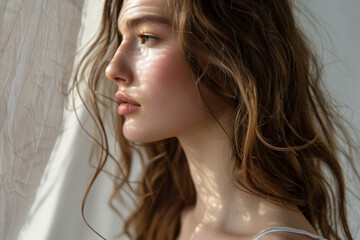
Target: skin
(151,71)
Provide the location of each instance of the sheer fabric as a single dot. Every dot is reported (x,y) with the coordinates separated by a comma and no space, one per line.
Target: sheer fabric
(44,168)
(38,40)
(38,43)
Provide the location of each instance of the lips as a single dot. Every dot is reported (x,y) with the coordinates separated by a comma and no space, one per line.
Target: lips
(127,105)
(123,98)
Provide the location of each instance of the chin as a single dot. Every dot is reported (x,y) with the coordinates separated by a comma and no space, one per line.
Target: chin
(140,136)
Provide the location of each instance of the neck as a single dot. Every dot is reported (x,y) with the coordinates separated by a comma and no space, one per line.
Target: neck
(209,152)
(219,202)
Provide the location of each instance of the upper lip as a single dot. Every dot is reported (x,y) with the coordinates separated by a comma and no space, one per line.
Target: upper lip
(123,98)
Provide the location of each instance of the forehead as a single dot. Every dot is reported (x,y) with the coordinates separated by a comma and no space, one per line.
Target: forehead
(135,8)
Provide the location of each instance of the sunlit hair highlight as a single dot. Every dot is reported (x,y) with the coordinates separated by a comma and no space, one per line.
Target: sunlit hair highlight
(255,57)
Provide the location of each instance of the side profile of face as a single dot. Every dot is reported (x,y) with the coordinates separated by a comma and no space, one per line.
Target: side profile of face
(156,90)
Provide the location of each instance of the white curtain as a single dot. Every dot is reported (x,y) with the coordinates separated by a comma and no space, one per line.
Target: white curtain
(44,154)
(39,139)
(38,39)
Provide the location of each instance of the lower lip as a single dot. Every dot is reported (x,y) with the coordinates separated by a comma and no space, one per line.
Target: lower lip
(127,108)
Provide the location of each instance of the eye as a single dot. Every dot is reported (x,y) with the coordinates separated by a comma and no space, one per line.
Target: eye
(145,38)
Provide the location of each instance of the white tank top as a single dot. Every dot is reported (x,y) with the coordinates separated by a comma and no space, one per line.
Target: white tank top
(287,229)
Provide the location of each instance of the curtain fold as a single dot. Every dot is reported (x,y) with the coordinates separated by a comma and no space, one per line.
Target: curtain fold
(38,42)
(45,156)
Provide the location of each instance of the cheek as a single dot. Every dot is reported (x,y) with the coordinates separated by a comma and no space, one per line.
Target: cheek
(163,68)
(164,77)
(171,102)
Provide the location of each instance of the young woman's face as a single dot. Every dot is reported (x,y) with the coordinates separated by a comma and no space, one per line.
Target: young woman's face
(156,90)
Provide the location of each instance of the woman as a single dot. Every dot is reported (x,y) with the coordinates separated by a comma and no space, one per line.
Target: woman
(224,97)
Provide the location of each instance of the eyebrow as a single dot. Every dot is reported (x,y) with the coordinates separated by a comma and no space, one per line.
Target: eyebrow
(135,22)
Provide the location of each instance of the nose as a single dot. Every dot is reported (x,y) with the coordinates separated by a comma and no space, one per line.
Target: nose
(118,69)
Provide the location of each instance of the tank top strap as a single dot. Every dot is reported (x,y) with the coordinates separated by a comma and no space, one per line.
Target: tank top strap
(287,229)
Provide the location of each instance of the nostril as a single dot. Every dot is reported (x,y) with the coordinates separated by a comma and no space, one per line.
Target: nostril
(119,80)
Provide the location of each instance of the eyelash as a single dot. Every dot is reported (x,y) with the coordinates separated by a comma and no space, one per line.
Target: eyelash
(145,38)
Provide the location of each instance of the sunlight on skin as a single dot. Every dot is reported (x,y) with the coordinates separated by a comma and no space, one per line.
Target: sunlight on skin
(222,209)
(211,202)
(151,72)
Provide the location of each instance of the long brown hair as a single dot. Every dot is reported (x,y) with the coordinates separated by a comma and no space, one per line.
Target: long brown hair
(254,56)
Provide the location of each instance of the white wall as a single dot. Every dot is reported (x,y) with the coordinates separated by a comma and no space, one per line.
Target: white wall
(341,51)
(341,21)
